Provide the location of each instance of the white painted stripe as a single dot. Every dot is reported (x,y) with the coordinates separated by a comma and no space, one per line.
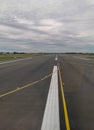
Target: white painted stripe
(56,58)
(82,58)
(51,115)
(11,61)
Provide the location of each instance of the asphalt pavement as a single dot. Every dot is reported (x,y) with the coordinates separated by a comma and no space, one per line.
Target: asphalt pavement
(78,79)
(24,109)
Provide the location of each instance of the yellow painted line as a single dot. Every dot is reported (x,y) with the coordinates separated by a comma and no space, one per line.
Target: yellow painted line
(64,102)
(25,86)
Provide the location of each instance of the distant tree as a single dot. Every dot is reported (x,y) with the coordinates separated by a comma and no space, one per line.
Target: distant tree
(15,52)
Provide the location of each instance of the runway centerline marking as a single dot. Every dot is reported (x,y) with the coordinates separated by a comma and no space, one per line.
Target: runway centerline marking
(56,58)
(51,114)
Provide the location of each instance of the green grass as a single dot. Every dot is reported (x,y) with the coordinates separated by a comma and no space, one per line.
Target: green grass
(91,57)
(6,57)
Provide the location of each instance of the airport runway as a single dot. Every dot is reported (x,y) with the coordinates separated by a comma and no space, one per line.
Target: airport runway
(23,106)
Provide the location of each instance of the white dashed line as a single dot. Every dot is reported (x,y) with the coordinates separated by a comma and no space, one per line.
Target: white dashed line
(51,115)
(56,58)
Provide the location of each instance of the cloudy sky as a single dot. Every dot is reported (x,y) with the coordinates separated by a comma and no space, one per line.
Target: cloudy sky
(47,25)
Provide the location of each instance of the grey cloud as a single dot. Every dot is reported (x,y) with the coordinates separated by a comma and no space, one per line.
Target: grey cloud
(76,32)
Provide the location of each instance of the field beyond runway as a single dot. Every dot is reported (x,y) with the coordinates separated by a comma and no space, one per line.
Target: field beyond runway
(24,88)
